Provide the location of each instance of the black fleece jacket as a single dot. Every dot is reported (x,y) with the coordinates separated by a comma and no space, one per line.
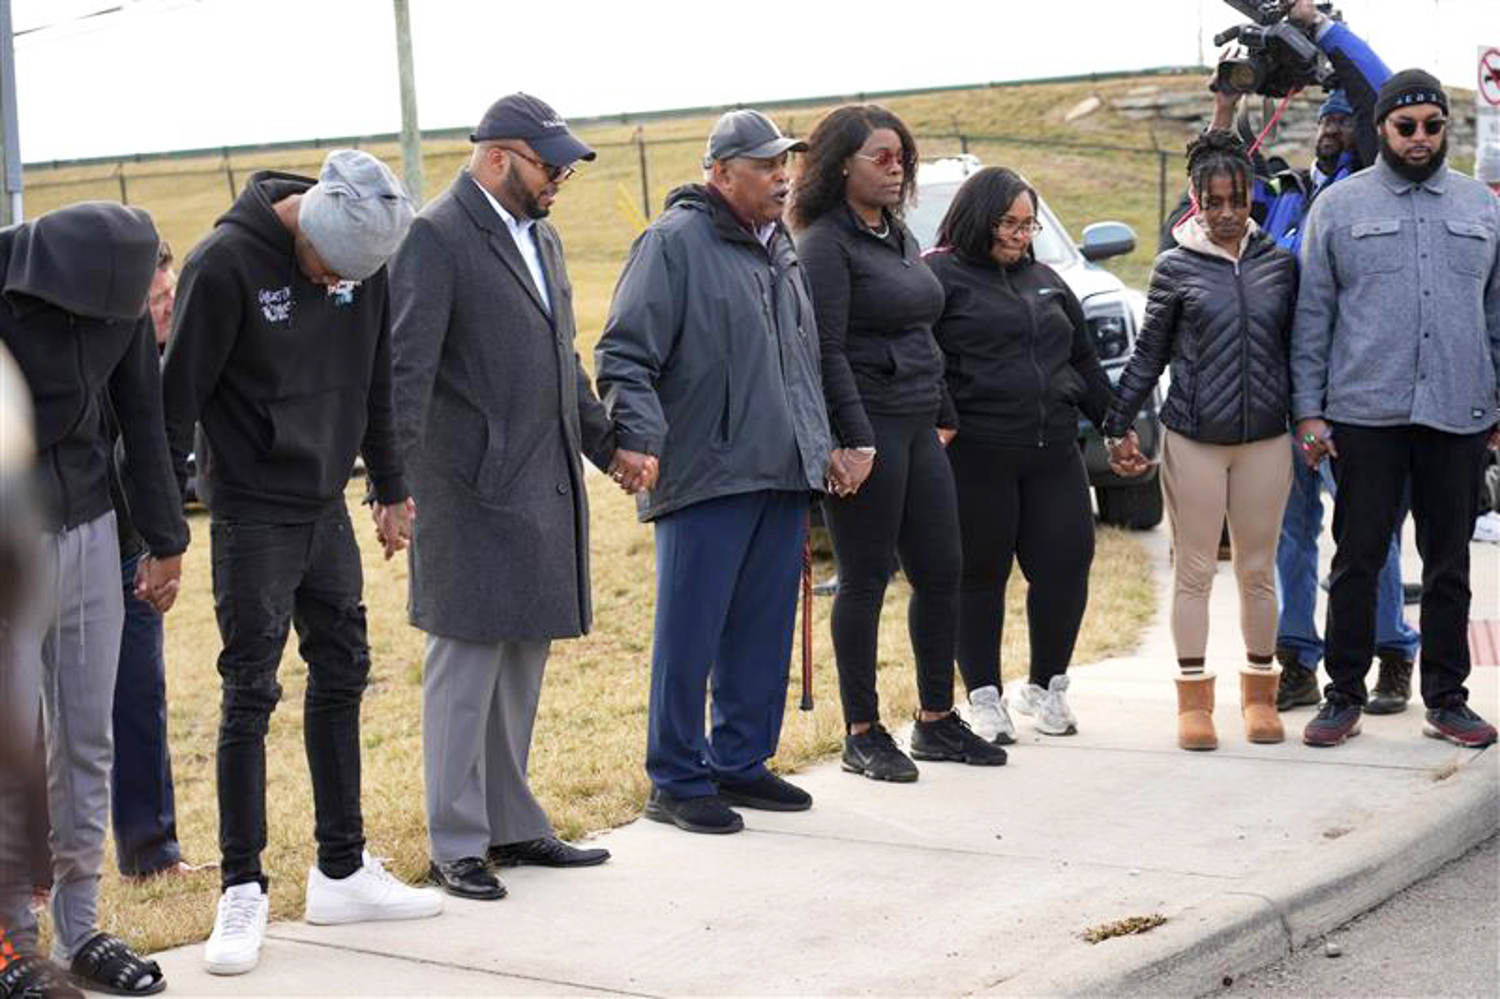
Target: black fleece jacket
(73,312)
(289,379)
(876,302)
(1021,363)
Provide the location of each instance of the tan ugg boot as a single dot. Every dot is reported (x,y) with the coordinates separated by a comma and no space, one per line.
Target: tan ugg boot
(1258,704)
(1195,712)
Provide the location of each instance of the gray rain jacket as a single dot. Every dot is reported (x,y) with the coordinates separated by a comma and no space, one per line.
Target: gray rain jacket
(709,359)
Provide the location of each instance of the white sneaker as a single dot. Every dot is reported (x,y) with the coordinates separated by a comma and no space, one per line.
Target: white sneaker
(234,946)
(1487,527)
(988,717)
(1048,708)
(370,893)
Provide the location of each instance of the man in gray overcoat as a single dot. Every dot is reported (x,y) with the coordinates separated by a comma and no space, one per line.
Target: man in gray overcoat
(493,411)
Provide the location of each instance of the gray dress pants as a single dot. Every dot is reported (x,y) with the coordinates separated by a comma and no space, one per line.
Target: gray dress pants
(478,704)
(65,662)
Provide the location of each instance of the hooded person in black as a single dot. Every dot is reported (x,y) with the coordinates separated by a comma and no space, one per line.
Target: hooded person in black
(281,348)
(73,313)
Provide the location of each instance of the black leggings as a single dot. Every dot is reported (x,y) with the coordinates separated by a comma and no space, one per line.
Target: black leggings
(906,504)
(1029,504)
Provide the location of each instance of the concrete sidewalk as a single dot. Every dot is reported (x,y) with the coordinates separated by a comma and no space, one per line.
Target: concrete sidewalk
(972,880)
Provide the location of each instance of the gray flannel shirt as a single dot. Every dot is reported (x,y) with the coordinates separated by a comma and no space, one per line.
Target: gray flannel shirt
(1398,310)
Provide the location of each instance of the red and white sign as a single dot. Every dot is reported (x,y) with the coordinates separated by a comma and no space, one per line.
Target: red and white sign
(1489,77)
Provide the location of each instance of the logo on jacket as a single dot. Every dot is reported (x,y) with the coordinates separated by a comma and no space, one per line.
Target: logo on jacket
(276,304)
(342,293)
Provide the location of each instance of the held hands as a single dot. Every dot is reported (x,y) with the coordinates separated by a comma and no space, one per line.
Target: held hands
(1314,441)
(848,468)
(393,525)
(1494,441)
(157,581)
(946,435)
(634,471)
(1125,457)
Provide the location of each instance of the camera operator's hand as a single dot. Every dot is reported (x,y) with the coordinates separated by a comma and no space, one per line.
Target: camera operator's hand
(1225,104)
(1306,15)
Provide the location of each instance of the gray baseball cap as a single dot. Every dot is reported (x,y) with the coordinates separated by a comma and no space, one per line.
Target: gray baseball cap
(747,133)
(355,215)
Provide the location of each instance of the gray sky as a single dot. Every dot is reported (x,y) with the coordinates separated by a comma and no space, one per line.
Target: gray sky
(174,74)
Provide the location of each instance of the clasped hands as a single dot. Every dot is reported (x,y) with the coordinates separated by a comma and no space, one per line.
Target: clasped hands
(848,468)
(1125,457)
(157,581)
(634,471)
(393,524)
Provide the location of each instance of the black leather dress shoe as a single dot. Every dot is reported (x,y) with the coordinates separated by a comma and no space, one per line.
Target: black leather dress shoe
(549,851)
(468,877)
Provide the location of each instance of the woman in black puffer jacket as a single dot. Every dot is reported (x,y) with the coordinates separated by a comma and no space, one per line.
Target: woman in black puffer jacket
(1220,312)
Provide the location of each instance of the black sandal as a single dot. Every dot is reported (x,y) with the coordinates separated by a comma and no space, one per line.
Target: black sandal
(107,964)
(32,977)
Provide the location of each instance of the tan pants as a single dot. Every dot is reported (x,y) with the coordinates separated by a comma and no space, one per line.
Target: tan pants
(1203,482)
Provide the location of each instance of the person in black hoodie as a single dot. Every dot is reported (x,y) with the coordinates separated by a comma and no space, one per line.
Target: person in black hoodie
(1020,365)
(1219,310)
(876,301)
(73,313)
(281,348)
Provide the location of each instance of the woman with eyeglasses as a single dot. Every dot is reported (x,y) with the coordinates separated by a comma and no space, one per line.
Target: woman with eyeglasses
(1021,366)
(890,488)
(1219,311)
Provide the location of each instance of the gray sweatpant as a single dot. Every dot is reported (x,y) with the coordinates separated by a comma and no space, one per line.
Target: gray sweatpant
(64,661)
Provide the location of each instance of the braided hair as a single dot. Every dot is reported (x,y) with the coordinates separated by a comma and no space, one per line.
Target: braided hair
(1219,153)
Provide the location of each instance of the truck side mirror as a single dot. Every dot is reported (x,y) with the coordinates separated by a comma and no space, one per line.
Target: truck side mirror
(1107,239)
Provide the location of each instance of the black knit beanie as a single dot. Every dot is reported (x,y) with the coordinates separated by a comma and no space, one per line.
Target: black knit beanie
(1410,86)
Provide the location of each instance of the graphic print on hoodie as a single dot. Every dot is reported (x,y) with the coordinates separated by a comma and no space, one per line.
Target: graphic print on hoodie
(289,379)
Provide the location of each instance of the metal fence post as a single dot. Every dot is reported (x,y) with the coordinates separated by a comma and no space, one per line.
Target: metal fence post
(120,176)
(1161,189)
(640,143)
(229,174)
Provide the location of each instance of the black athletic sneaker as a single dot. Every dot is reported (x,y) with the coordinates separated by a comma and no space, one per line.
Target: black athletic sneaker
(707,814)
(1459,725)
(769,793)
(1337,720)
(950,738)
(874,754)
(1298,685)
(1392,687)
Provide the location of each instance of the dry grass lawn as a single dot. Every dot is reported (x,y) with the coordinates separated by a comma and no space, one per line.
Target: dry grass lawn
(590,736)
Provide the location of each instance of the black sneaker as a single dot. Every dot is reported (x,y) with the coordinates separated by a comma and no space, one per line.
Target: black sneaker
(874,754)
(1459,725)
(1298,685)
(950,738)
(1337,720)
(1392,687)
(32,977)
(704,814)
(769,793)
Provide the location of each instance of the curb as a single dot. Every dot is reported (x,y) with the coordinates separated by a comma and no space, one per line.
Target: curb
(1205,947)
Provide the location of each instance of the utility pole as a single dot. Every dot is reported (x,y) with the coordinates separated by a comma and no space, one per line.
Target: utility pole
(10,139)
(411,136)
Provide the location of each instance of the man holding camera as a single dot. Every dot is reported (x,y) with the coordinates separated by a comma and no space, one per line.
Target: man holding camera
(1395,366)
(1346,143)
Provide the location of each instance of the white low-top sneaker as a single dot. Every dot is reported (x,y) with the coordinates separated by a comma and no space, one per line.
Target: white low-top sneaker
(234,946)
(370,893)
(988,717)
(1048,708)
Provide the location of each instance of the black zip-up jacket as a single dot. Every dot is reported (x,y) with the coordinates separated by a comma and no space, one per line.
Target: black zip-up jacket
(73,312)
(289,379)
(1225,327)
(709,358)
(876,302)
(1021,363)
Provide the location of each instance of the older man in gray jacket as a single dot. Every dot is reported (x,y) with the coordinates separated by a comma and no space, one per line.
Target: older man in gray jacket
(493,410)
(709,360)
(1395,368)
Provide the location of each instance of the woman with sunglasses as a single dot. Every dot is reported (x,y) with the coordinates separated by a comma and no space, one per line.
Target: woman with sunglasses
(1020,366)
(1219,311)
(890,488)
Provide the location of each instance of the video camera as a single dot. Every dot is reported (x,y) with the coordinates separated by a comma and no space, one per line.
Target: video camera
(1278,56)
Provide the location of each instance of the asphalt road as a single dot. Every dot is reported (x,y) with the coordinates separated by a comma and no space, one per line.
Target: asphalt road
(1440,937)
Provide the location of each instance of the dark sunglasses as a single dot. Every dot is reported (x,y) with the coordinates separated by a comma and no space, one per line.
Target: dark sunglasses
(1406,128)
(884,159)
(556,174)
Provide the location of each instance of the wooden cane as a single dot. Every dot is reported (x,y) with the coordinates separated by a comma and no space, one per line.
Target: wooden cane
(807,606)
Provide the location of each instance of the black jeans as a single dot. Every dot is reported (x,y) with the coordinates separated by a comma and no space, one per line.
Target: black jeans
(1373,470)
(143,807)
(907,504)
(267,577)
(1026,504)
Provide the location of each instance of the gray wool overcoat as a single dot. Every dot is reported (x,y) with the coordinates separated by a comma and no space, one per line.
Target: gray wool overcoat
(493,409)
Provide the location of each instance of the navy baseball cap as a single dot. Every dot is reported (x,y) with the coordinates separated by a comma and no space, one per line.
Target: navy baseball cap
(521,116)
